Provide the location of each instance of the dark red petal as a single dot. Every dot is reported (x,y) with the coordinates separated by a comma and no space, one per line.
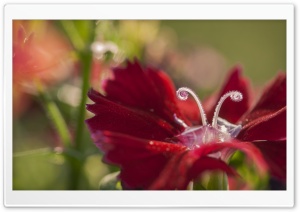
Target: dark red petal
(210,164)
(190,110)
(231,111)
(272,99)
(166,180)
(147,89)
(274,153)
(268,127)
(117,118)
(140,160)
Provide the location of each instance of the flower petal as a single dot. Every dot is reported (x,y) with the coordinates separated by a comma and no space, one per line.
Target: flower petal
(271,126)
(274,153)
(231,111)
(272,100)
(140,160)
(117,118)
(147,89)
(190,110)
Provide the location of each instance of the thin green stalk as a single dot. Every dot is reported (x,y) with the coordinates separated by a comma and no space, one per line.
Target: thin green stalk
(218,181)
(86,60)
(55,116)
(85,57)
(76,165)
(72,156)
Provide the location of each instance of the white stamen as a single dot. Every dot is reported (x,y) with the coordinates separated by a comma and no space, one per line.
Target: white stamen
(235,96)
(179,121)
(183,93)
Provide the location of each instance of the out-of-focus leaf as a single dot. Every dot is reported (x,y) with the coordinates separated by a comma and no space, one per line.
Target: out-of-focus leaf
(79,32)
(198,186)
(248,172)
(217,181)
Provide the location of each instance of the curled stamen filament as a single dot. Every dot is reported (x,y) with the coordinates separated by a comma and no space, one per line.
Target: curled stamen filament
(183,93)
(235,96)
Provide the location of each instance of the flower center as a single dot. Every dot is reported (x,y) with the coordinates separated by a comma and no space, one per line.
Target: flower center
(219,131)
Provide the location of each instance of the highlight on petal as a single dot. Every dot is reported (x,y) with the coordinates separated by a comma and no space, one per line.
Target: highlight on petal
(231,111)
(147,89)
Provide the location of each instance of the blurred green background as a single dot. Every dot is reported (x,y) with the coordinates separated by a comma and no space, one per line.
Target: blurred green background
(195,53)
(259,45)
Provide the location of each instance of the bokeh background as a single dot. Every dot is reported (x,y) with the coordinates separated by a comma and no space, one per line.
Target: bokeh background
(52,58)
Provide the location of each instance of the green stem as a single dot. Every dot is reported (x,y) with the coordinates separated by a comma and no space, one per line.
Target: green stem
(86,70)
(73,157)
(55,116)
(85,56)
(217,181)
(82,47)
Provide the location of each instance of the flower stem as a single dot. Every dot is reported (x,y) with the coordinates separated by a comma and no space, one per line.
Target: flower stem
(86,60)
(55,116)
(76,165)
(71,155)
(85,57)
(218,181)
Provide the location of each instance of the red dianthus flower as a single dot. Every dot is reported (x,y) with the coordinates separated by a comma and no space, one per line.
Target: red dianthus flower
(160,142)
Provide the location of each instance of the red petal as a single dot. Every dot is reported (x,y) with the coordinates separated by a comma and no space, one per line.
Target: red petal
(274,153)
(190,110)
(231,111)
(272,100)
(114,117)
(146,89)
(268,127)
(140,160)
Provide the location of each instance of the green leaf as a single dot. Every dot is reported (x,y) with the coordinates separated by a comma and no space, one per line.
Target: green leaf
(110,182)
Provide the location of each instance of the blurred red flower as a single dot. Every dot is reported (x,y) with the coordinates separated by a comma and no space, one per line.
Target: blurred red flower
(39,53)
(157,140)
